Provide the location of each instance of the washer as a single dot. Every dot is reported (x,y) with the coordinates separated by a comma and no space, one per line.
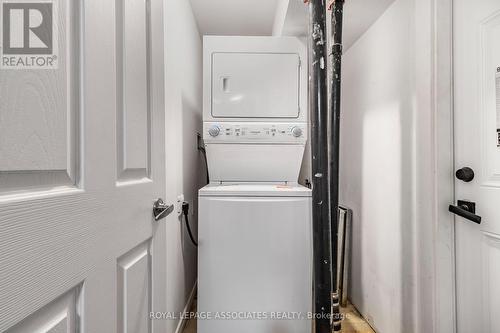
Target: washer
(255,258)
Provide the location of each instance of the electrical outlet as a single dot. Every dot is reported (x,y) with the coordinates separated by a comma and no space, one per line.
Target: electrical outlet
(180,201)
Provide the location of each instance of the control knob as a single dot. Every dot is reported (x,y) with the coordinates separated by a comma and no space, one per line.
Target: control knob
(214,131)
(297,132)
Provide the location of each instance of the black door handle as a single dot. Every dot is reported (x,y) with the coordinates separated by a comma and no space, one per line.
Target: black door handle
(465,174)
(466,210)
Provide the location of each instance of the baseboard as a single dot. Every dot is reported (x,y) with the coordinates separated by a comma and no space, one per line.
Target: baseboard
(183,321)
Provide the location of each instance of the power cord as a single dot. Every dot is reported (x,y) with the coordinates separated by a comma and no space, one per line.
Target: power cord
(185,212)
(201,148)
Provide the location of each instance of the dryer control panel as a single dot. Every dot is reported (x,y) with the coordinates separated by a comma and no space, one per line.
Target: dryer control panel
(255,132)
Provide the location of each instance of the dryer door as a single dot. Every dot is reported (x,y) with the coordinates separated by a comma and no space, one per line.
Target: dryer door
(255,85)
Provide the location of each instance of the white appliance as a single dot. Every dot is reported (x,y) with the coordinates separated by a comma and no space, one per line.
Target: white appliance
(255,246)
(254,108)
(255,256)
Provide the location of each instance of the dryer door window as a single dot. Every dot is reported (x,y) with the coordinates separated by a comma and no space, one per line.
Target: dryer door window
(255,85)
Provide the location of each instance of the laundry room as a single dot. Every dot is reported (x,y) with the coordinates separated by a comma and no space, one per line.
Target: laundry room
(264,166)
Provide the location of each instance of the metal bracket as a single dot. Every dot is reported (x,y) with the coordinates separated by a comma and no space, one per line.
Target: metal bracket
(471,206)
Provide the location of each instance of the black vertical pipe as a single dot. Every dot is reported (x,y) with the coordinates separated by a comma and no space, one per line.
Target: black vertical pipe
(337,21)
(318,91)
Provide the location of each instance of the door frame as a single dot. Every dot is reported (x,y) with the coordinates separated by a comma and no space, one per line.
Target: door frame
(446,320)
(438,16)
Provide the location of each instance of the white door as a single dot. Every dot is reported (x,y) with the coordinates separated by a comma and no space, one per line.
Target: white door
(477,115)
(81,163)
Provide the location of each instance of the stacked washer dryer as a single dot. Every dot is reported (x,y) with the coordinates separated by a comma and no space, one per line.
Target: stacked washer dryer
(255,232)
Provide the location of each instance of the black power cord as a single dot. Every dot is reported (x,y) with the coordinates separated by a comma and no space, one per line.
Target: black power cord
(185,212)
(201,148)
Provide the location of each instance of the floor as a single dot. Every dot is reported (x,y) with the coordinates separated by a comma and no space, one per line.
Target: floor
(352,323)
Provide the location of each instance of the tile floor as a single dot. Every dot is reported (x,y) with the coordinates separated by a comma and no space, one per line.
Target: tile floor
(353,322)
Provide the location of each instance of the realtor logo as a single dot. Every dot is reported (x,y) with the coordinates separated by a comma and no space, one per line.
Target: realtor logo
(29,34)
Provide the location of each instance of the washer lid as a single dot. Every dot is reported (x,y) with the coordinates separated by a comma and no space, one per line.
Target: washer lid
(255,190)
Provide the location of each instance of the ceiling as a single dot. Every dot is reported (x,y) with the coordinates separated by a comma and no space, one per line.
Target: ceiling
(235,17)
(359,16)
(256,17)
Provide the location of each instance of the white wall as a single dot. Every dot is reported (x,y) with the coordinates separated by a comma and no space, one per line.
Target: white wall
(280,17)
(385,151)
(185,168)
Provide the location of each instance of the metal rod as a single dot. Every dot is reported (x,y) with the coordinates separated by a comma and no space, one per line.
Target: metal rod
(336,63)
(318,91)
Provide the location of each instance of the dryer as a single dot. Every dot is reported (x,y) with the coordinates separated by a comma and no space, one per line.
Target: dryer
(255,246)
(254,108)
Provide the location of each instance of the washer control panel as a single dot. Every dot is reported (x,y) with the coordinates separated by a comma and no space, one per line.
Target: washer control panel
(255,132)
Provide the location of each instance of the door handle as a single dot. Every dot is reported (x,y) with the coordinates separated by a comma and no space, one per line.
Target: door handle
(225,84)
(161,210)
(465,174)
(467,210)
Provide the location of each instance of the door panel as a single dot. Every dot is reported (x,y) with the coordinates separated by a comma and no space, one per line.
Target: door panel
(490,277)
(60,316)
(476,59)
(489,62)
(40,117)
(133,89)
(134,294)
(80,252)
